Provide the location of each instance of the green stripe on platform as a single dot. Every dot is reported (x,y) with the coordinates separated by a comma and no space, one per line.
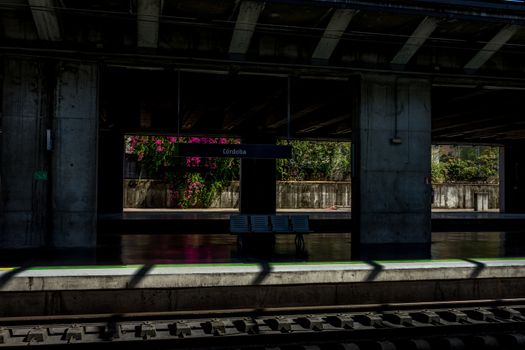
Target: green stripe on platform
(291,263)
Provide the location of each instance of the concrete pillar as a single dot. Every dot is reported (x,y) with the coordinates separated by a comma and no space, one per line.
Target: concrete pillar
(23,177)
(512,178)
(258,182)
(75,156)
(391,191)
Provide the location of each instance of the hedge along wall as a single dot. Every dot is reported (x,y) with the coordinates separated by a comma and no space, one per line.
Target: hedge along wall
(304,195)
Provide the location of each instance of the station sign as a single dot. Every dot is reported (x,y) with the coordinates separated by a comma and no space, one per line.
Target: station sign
(233,150)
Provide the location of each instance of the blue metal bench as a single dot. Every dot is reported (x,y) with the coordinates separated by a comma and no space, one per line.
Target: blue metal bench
(270,225)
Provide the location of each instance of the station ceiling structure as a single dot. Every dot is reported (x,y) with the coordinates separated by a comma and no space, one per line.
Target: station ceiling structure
(235,64)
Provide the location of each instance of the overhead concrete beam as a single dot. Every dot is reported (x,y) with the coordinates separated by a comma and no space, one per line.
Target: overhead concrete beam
(319,125)
(192,118)
(235,8)
(500,39)
(148,15)
(233,120)
(344,128)
(463,124)
(46,20)
(298,115)
(332,34)
(249,12)
(416,40)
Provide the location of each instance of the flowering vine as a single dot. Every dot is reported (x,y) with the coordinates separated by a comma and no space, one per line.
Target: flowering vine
(194,181)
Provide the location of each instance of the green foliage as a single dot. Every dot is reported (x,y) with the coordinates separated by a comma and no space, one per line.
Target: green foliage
(316,161)
(194,181)
(466,164)
(439,172)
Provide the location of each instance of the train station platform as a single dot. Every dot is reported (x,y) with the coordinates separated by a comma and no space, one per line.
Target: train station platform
(142,267)
(202,236)
(63,290)
(208,220)
(321,220)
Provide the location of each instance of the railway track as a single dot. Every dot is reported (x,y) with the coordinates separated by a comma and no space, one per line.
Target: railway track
(485,324)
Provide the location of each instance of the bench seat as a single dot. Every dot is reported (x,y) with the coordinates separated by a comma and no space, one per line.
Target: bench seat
(269,224)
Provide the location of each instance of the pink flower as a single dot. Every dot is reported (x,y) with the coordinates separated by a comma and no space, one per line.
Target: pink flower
(172,139)
(158,142)
(192,161)
(141,155)
(160,149)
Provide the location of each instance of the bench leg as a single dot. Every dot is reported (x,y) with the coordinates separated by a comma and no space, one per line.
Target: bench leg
(299,242)
(240,242)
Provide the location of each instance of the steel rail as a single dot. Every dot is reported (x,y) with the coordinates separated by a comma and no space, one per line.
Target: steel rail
(20,320)
(499,322)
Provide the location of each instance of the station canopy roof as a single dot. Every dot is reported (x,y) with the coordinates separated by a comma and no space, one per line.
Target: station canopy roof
(473,52)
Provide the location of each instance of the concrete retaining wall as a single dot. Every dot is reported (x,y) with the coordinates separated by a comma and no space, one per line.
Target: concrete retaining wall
(461,196)
(304,194)
(313,194)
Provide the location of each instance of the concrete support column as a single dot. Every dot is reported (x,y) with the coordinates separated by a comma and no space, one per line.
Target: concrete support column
(23,177)
(258,183)
(391,199)
(75,156)
(512,178)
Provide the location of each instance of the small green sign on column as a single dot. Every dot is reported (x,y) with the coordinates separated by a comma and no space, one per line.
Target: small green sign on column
(40,175)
